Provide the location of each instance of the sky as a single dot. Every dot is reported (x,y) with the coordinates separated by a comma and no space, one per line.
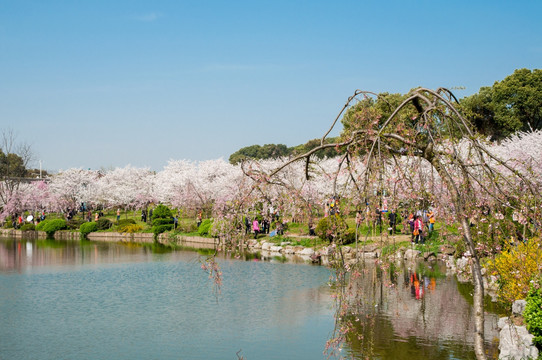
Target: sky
(105,84)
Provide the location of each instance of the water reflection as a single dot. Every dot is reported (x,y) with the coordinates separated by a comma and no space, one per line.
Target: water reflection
(271,311)
(73,300)
(411,312)
(31,255)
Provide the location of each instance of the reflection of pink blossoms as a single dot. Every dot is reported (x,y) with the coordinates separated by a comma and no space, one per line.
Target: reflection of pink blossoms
(211,266)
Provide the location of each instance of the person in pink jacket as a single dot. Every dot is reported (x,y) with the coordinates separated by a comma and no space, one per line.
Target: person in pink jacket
(255,228)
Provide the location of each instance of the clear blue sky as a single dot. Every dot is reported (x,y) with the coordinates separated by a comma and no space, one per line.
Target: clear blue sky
(109,83)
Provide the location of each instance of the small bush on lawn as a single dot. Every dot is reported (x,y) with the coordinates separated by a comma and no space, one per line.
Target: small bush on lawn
(162,221)
(8,223)
(334,228)
(28,227)
(74,224)
(205,227)
(157,230)
(132,228)
(52,226)
(515,267)
(123,222)
(190,228)
(104,224)
(161,212)
(87,228)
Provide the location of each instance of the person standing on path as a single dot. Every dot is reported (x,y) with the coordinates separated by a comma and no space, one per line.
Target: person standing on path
(418,230)
(255,228)
(411,220)
(144,215)
(392,218)
(118,214)
(431,216)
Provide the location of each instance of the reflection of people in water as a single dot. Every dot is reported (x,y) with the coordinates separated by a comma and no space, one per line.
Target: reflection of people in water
(415,288)
(420,284)
(432,284)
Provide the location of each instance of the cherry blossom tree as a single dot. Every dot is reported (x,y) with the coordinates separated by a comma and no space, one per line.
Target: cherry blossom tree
(429,150)
(69,188)
(192,186)
(128,187)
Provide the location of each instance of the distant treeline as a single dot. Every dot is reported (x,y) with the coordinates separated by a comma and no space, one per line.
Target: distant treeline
(273,151)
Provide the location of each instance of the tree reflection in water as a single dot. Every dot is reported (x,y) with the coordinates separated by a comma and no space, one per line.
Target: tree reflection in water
(410,311)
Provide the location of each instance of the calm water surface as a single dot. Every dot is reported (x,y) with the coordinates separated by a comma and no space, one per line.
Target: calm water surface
(71,300)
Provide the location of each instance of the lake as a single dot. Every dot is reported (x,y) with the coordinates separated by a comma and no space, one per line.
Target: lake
(83,300)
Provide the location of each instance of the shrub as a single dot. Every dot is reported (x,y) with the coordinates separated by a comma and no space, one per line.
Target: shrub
(189,228)
(123,222)
(132,228)
(8,223)
(74,224)
(87,228)
(533,312)
(41,224)
(157,230)
(460,248)
(28,227)
(516,267)
(161,212)
(205,227)
(104,224)
(349,237)
(162,221)
(334,228)
(51,226)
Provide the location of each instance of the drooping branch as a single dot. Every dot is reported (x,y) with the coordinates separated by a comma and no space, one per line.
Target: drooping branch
(439,136)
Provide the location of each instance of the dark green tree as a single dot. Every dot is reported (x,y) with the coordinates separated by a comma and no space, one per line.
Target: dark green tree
(274,151)
(14,159)
(511,105)
(314,143)
(378,109)
(12,165)
(268,151)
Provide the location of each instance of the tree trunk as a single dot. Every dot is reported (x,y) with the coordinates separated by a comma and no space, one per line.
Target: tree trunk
(478,297)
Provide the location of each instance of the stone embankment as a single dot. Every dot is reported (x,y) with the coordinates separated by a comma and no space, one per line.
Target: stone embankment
(147,238)
(515,341)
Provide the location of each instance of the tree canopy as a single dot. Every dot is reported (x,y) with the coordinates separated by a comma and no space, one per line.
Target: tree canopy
(511,105)
(268,151)
(275,151)
(378,109)
(12,165)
